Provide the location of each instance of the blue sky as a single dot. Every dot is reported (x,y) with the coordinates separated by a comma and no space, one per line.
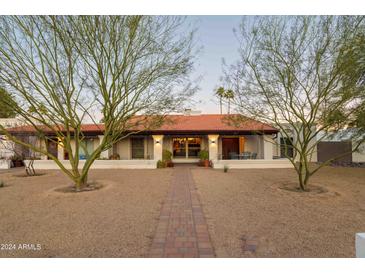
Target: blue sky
(215,35)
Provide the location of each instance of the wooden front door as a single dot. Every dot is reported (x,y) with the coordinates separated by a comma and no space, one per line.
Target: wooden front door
(229,146)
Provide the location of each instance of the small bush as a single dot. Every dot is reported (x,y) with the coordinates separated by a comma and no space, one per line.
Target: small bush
(225,169)
(161,164)
(2,184)
(167,158)
(203,155)
(166,155)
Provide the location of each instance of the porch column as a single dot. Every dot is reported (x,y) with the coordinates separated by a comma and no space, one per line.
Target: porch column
(43,145)
(213,147)
(105,153)
(60,150)
(157,147)
(268,147)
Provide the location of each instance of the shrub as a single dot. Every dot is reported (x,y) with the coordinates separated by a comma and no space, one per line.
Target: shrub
(114,156)
(225,168)
(203,155)
(166,155)
(161,164)
(2,184)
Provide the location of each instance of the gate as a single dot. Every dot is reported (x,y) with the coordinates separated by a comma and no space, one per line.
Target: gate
(329,150)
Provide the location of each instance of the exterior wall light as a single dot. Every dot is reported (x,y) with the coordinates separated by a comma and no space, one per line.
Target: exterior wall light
(157,141)
(213,141)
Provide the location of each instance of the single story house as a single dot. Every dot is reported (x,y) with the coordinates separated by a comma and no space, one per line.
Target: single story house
(248,145)
(7,148)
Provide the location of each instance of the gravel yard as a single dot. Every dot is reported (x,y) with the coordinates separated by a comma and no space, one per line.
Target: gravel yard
(118,220)
(250,216)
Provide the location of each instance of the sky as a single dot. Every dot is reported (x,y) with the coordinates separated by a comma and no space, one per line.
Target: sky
(215,36)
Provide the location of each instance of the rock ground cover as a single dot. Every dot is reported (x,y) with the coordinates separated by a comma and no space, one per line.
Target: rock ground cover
(119,220)
(249,215)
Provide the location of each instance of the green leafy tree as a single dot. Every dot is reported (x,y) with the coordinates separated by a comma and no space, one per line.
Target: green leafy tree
(65,70)
(6,103)
(299,74)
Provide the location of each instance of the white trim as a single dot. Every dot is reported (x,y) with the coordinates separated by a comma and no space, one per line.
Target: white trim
(99,164)
(242,164)
(185,160)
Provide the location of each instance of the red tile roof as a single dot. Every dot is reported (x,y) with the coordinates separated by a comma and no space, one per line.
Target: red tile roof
(185,123)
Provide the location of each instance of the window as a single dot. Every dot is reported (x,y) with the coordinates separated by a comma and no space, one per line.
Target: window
(186,147)
(179,147)
(86,148)
(137,147)
(193,147)
(286,147)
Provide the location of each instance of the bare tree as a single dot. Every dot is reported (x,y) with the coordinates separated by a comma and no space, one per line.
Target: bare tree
(290,74)
(64,70)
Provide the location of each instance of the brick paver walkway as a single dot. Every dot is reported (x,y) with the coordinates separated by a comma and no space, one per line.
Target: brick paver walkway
(182,230)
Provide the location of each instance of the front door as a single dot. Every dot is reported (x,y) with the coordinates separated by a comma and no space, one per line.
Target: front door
(230,146)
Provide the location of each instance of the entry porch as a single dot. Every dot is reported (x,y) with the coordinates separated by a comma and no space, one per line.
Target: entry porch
(143,151)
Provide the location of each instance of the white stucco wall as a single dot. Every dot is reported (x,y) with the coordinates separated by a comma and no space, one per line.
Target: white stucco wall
(149,147)
(220,150)
(243,164)
(253,143)
(167,143)
(7,147)
(123,149)
(359,156)
(204,143)
(99,164)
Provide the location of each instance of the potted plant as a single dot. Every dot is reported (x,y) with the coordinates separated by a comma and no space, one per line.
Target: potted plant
(167,158)
(161,164)
(204,158)
(114,156)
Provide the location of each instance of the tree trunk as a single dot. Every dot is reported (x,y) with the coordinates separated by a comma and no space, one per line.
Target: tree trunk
(220,101)
(303,175)
(229,106)
(81,182)
(29,168)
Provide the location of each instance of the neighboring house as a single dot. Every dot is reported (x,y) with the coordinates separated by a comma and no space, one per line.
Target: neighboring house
(340,143)
(6,146)
(284,143)
(250,145)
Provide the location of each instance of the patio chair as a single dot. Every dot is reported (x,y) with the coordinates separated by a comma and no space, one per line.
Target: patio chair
(246,155)
(254,155)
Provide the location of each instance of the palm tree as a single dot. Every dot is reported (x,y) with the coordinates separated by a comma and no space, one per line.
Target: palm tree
(220,93)
(229,94)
